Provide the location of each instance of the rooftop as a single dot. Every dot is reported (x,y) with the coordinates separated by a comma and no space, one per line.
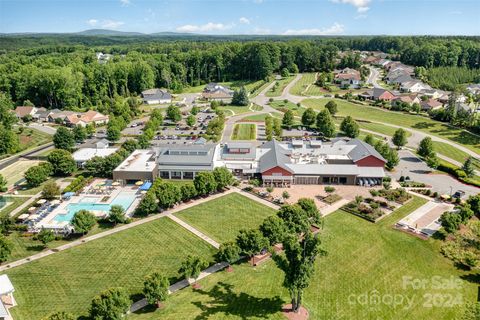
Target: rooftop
(139,161)
(85,154)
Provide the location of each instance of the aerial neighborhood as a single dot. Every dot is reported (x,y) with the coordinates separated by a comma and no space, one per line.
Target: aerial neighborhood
(211,176)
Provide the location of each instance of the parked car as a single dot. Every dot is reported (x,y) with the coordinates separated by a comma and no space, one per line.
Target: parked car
(458,194)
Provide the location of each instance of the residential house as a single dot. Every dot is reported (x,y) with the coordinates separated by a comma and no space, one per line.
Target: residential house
(382,94)
(89,117)
(216,92)
(156,96)
(433,93)
(410,99)
(399,78)
(414,86)
(348,78)
(430,104)
(23,111)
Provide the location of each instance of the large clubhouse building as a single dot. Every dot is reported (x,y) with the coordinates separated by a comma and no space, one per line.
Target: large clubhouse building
(341,161)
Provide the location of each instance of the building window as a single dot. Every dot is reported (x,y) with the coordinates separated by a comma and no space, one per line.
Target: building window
(164,175)
(188,175)
(326,180)
(176,175)
(343,180)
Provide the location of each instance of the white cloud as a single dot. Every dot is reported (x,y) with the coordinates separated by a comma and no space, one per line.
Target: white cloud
(244,20)
(125,3)
(208,27)
(336,28)
(105,24)
(361,5)
(92,22)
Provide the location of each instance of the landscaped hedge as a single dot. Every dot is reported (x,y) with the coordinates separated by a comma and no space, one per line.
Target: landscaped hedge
(458,173)
(78,184)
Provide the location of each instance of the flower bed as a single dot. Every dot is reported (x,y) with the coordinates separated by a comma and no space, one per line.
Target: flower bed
(398,195)
(414,184)
(330,199)
(364,210)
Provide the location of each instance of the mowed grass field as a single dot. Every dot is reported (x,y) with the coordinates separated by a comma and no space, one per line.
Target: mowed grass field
(70,279)
(363,259)
(31,138)
(301,85)
(430,126)
(244,131)
(222,218)
(14,172)
(276,91)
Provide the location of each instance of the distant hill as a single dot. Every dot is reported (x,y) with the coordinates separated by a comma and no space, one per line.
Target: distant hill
(106,32)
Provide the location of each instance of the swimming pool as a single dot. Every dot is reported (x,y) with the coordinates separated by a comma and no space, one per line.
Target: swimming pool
(123,199)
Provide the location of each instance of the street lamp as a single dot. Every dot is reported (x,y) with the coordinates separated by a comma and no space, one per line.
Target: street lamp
(451,190)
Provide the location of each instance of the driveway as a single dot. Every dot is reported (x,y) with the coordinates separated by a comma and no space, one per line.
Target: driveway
(417,170)
(373,77)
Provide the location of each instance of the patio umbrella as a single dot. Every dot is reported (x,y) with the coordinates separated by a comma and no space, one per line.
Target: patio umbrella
(41,201)
(55,201)
(139,183)
(115,183)
(32,209)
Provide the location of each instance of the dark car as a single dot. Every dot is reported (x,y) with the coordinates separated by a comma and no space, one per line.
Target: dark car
(458,194)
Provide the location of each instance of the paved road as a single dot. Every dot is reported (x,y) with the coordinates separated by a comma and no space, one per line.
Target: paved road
(373,77)
(43,128)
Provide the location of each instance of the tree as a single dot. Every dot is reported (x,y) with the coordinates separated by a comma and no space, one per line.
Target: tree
(188,191)
(240,97)
(464,247)
(251,242)
(3,184)
(288,118)
(168,194)
(5,249)
(432,161)
(350,127)
(223,177)
(294,218)
(450,221)
(311,210)
(389,154)
(130,145)
(298,264)
(308,117)
(45,236)
(111,304)
(425,147)
(325,123)
(62,162)
(284,73)
(191,267)
(191,120)
(83,221)
(63,139)
(474,203)
(148,204)
(399,138)
(79,133)
(277,127)
(113,133)
(36,175)
(90,129)
(273,228)
(155,288)
(50,190)
(370,139)
(468,167)
(228,252)
(205,183)
(194,111)
(269,127)
(331,106)
(173,113)
(116,214)
(61,315)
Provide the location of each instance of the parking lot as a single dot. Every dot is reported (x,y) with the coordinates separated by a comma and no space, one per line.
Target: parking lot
(417,170)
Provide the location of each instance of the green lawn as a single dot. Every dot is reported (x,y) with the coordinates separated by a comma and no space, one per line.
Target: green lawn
(70,279)
(249,85)
(261,117)
(280,105)
(427,125)
(31,138)
(363,258)
(301,85)
(233,110)
(380,128)
(222,218)
(276,91)
(453,153)
(14,172)
(244,131)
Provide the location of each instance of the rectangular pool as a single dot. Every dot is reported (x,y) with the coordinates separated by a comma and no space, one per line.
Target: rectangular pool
(123,199)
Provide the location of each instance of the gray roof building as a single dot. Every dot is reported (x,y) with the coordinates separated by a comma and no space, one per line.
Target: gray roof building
(194,157)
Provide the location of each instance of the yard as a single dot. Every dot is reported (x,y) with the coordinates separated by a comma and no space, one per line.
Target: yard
(261,117)
(363,260)
(301,85)
(277,90)
(70,279)
(428,125)
(31,138)
(222,218)
(244,131)
(14,172)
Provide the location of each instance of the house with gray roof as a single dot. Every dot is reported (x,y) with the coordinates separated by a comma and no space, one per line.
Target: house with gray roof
(156,96)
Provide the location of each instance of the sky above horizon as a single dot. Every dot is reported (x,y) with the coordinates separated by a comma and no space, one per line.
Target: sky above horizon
(288,17)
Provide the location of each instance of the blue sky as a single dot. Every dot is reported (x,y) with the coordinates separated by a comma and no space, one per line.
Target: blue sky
(315,17)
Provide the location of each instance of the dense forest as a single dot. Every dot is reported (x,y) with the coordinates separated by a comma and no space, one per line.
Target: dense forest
(62,70)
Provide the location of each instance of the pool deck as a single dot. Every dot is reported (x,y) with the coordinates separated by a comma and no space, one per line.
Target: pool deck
(49,221)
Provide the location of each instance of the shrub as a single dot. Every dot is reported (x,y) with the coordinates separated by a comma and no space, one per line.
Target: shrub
(363,208)
(373,192)
(329,189)
(374,205)
(269,189)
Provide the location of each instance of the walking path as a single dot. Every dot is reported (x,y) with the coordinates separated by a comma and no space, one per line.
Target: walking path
(196,232)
